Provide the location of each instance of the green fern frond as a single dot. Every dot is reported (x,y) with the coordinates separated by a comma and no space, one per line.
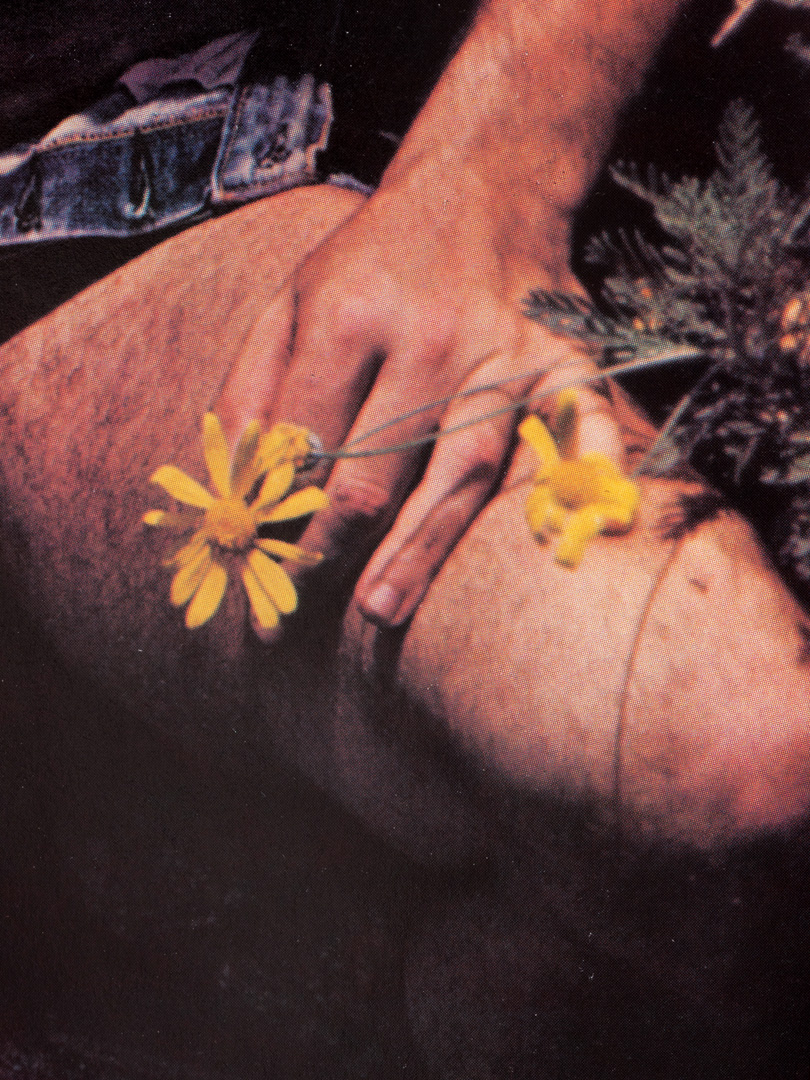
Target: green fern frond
(728,281)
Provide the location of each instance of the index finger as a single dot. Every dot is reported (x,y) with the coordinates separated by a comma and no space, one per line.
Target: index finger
(252,386)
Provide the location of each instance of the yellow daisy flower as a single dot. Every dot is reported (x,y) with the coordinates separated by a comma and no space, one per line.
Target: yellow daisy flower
(227,523)
(576,498)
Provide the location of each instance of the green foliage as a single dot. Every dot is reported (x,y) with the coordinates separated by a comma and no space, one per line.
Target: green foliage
(713,281)
(724,275)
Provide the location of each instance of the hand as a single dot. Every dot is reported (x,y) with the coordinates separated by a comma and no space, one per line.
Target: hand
(417,296)
(410,301)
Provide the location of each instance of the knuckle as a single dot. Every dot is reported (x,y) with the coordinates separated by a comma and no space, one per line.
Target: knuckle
(359,500)
(479,452)
(437,329)
(342,303)
(336,382)
(352,316)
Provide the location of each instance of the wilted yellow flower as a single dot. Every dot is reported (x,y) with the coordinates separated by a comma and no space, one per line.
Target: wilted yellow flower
(576,498)
(250,492)
(795,322)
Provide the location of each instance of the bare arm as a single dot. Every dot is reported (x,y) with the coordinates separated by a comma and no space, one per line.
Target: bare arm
(418,294)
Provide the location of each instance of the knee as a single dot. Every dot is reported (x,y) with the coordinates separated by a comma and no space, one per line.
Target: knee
(660,688)
(715,744)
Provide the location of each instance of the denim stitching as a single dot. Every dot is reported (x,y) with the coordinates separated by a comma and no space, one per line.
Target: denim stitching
(198,117)
(314,101)
(59,189)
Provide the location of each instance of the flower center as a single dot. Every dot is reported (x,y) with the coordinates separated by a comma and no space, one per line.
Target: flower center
(230,524)
(580,483)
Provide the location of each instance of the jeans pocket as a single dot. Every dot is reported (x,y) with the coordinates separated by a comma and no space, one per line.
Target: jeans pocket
(178,157)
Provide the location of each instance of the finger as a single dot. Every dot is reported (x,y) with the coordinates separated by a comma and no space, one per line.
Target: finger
(461,475)
(463,471)
(365,493)
(336,355)
(252,386)
(597,425)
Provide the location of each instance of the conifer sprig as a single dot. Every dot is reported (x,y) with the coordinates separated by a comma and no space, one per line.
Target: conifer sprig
(726,275)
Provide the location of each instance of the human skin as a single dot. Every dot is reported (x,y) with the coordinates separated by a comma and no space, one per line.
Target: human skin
(114,384)
(418,294)
(581,730)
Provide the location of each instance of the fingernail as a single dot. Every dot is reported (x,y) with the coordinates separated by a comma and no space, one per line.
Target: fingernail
(382,603)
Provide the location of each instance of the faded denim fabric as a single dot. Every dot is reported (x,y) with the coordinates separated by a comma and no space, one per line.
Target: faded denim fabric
(175,142)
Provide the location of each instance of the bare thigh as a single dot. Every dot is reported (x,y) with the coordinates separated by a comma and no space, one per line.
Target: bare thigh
(99,394)
(112,385)
(440,748)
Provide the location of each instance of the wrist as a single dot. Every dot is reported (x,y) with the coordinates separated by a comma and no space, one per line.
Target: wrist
(482,214)
(529,104)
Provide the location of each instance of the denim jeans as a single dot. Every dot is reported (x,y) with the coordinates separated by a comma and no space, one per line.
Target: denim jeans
(175,142)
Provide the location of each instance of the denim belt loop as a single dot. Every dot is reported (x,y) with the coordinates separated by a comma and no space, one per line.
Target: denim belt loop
(271,139)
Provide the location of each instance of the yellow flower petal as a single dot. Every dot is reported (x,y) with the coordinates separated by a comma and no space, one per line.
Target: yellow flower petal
(179,520)
(538,504)
(537,435)
(190,576)
(620,512)
(575,484)
(275,581)
(264,462)
(579,497)
(299,504)
(556,517)
(276,485)
(263,607)
(217,457)
(244,472)
(628,503)
(182,487)
(292,552)
(283,442)
(581,527)
(188,552)
(208,597)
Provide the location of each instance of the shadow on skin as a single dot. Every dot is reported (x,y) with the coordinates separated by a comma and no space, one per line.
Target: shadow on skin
(487,737)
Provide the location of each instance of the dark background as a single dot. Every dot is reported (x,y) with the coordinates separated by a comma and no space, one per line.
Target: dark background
(382,59)
(260,935)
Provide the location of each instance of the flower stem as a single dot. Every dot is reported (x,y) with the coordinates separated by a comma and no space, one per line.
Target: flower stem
(667,356)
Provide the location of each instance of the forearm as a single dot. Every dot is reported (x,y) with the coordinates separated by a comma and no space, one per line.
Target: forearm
(528,108)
